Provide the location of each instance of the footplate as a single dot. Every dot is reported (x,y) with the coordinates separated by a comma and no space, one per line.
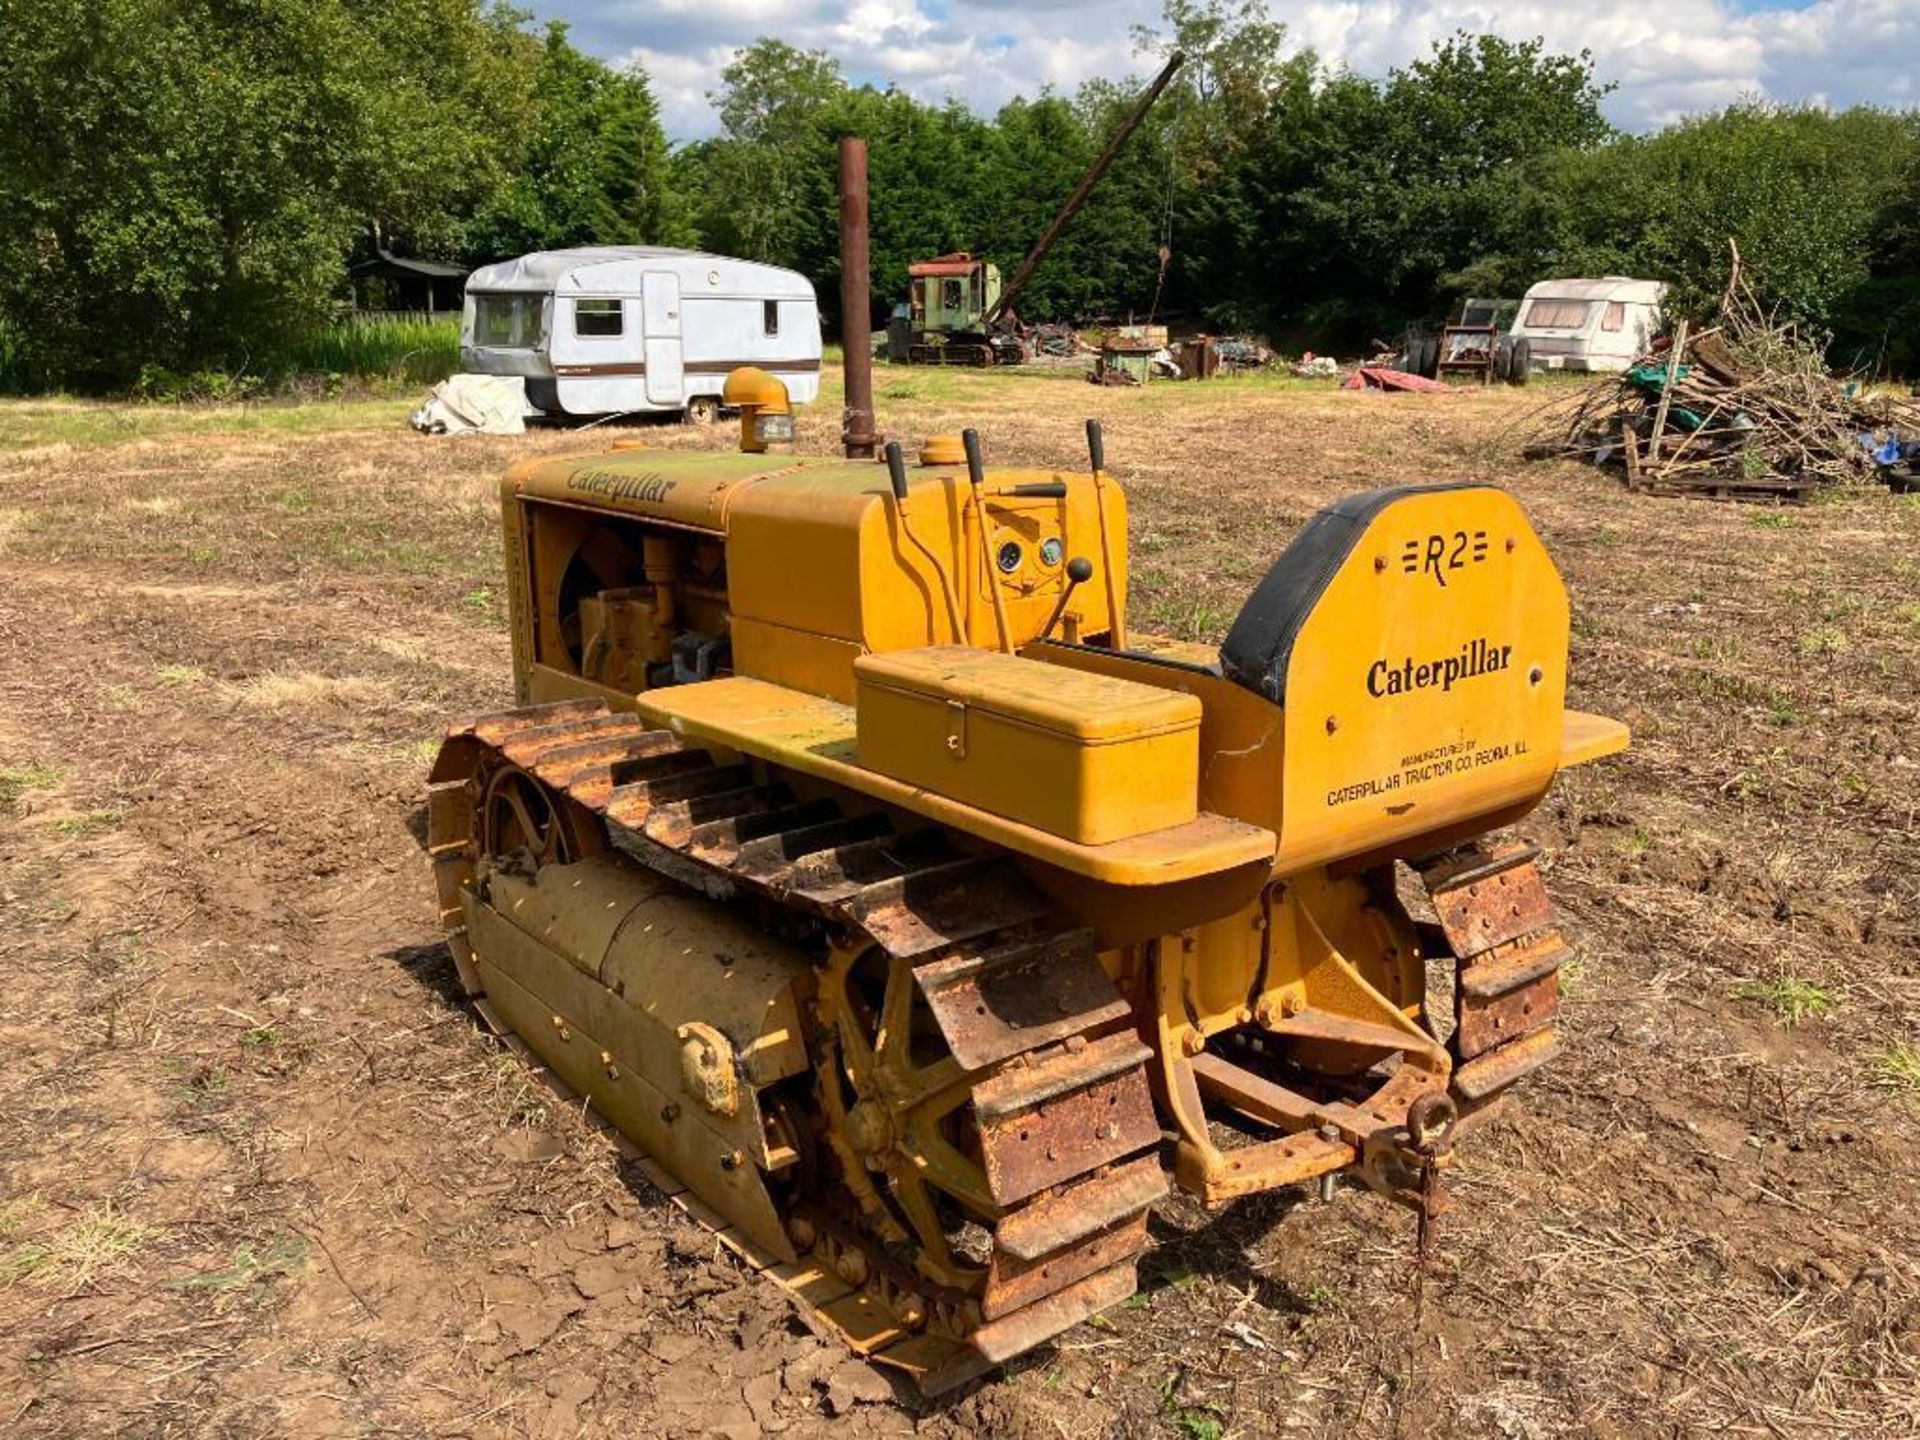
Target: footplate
(1495,917)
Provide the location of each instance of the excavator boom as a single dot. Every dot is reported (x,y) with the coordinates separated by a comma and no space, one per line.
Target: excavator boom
(1071,205)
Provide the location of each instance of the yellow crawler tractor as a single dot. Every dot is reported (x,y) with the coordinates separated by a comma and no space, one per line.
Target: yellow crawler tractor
(857,861)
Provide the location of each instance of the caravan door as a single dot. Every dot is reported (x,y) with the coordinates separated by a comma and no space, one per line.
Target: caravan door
(595,348)
(660,304)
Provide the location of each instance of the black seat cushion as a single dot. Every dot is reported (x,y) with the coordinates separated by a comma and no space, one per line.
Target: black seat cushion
(1259,647)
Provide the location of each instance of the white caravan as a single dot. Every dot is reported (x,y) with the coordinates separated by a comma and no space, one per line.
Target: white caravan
(622,328)
(1590,324)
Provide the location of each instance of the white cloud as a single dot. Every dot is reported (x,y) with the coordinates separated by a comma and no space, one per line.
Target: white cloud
(1669,59)
(681,84)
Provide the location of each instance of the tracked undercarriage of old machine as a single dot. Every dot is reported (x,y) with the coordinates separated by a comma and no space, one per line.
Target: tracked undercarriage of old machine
(914,915)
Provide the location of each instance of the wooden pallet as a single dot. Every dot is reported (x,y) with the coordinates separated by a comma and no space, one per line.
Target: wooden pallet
(1709,481)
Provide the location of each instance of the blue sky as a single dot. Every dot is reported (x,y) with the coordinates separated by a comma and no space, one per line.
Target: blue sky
(1667,57)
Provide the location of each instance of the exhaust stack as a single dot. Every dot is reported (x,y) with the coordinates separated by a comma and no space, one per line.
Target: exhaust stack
(856,420)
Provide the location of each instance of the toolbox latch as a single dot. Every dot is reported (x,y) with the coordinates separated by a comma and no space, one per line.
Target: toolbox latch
(957,729)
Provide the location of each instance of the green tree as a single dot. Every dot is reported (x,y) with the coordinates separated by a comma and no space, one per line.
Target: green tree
(752,181)
(1236,65)
(1386,194)
(1802,189)
(1817,201)
(1237,78)
(774,94)
(182,180)
(593,169)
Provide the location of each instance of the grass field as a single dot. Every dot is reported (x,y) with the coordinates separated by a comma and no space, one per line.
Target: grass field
(263,1174)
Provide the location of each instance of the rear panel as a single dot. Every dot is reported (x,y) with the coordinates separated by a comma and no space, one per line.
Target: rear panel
(1417,643)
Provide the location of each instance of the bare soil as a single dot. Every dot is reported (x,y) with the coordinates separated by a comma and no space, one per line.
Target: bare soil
(261,1172)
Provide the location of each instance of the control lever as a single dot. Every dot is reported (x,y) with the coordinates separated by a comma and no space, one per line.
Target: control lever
(897,474)
(977,477)
(1079,571)
(1097,458)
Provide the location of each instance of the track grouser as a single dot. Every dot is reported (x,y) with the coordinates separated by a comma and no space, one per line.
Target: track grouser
(922,922)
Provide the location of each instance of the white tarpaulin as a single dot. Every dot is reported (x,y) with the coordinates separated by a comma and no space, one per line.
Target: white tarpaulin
(468,404)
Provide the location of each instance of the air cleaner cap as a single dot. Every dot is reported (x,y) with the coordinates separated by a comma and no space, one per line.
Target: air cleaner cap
(943,450)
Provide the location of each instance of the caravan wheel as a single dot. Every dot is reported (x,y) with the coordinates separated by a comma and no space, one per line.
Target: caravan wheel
(702,410)
(1521,366)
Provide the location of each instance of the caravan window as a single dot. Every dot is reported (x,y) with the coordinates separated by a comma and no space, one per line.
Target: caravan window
(506,322)
(769,317)
(598,319)
(1616,316)
(1557,314)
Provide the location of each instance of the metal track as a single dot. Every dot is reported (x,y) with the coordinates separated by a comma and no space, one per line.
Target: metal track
(1495,918)
(1056,1097)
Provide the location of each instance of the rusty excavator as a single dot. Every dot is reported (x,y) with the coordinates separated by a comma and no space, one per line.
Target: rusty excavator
(922,920)
(958,312)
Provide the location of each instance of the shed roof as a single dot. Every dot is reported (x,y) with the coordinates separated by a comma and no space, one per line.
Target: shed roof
(385,262)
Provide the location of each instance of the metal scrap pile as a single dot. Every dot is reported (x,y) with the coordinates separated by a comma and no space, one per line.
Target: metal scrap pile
(1057,341)
(1242,352)
(1745,409)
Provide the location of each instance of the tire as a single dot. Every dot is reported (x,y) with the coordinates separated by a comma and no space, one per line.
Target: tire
(1503,358)
(1520,361)
(1429,365)
(702,410)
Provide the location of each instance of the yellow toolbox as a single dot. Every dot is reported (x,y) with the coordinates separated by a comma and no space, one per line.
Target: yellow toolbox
(1090,758)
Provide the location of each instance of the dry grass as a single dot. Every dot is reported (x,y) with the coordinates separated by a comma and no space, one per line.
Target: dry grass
(98,1245)
(304,690)
(1791,1000)
(1898,1069)
(16,781)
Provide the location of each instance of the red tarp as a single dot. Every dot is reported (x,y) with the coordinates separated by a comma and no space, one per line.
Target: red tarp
(1380,377)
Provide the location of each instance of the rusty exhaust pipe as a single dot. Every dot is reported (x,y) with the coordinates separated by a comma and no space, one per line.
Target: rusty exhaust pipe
(856,315)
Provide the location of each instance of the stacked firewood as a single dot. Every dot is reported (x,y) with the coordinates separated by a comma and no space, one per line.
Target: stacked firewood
(1745,408)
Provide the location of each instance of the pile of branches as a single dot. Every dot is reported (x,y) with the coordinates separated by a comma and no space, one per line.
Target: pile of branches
(1745,408)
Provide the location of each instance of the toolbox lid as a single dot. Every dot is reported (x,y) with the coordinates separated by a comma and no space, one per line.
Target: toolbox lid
(1092,709)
